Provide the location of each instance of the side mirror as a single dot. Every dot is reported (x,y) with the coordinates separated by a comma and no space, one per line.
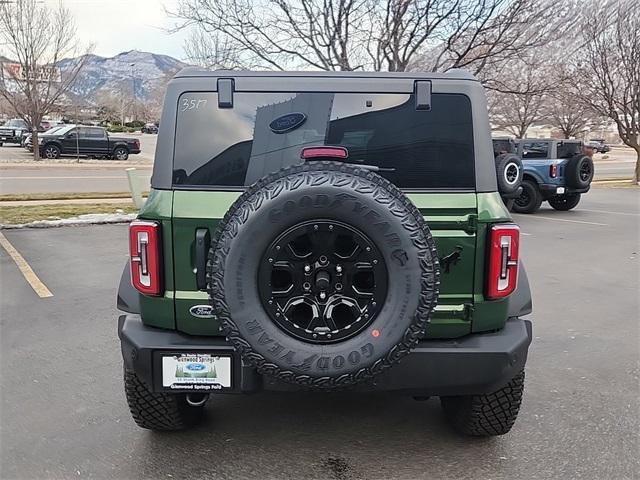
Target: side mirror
(71,135)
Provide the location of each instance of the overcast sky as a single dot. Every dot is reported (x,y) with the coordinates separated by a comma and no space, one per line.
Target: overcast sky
(116,26)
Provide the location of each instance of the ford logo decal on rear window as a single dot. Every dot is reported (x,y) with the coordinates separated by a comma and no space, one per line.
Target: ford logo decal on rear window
(288,122)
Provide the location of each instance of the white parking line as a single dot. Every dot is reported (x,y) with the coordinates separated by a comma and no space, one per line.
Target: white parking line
(27,272)
(566,220)
(611,213)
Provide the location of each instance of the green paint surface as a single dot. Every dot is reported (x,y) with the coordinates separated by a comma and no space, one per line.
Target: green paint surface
(458,222)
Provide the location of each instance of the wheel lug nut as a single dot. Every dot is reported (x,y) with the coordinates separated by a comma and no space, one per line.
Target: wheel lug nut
(375,262)
(338,286)
(270,302)
(323,295)
(315,227)
(307,268)
(368,249)
(271,260)
(306,286)
(277,314)
(339,268)
(330,227)
(277,247)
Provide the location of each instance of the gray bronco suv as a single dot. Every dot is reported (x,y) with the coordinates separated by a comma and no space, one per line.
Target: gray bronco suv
(324,231)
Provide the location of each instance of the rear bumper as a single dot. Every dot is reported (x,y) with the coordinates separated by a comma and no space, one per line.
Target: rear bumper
(550,190)
(474,364)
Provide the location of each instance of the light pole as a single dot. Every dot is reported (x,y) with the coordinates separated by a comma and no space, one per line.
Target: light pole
(133,88)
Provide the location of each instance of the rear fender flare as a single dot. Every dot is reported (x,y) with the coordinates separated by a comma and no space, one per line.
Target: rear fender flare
(520,300)
(128,296)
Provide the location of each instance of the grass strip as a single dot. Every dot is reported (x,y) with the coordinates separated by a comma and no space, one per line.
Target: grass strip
(31,213)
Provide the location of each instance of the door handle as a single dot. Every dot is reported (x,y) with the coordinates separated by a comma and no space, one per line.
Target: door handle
(203,240)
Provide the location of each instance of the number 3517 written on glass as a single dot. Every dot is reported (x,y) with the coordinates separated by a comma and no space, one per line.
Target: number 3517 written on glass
(188,104)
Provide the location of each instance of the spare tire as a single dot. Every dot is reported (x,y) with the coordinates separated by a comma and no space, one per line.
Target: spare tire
(509,172)
(579,171)
(323,275)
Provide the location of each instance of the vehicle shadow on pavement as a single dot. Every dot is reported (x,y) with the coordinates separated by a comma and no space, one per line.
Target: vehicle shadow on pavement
(312,435)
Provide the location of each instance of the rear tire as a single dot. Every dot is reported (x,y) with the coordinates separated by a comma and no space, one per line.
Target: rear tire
(565,202)
(121,153)
(158,411)
(529,200)
(486,415)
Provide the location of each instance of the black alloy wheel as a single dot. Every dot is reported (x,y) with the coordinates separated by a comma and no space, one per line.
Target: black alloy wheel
(322,281)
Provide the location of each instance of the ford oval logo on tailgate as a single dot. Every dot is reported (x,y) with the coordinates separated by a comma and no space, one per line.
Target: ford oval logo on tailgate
(288,122)
(202,311)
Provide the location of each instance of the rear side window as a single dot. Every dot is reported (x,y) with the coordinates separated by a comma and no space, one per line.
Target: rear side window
(264,132)
(92,133)
(568,149)
(535,150)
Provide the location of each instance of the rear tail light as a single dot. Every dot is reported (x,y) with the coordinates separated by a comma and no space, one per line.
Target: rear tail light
(136,143)
(504,243)
(553,170)
(146,265)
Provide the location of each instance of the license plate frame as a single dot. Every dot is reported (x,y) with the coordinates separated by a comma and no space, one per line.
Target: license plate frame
(195,371)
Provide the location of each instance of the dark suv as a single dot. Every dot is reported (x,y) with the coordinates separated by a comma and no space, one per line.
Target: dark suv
(324,231)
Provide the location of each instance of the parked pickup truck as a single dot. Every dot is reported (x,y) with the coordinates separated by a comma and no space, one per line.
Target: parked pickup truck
(557,171)
(86,141)
(11,131)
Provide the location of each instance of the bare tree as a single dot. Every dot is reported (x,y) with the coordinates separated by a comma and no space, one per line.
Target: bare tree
(572,119)
(608,77)
(36,38)
(519,96)
(393,35)
(278,34)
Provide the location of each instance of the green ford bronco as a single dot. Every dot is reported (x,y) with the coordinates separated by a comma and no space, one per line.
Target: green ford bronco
(324,231)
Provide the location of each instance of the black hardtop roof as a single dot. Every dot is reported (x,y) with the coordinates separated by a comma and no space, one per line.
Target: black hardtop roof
(454,74)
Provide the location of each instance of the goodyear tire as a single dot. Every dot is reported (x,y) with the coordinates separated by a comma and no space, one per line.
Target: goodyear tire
(486,415)
(330,226)
(579,171)
(158,411)
(509,172)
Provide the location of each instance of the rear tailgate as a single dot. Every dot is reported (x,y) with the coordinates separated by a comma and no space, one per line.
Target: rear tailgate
(451,217)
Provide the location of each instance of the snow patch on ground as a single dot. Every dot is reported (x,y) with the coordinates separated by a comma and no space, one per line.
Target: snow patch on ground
(86,219)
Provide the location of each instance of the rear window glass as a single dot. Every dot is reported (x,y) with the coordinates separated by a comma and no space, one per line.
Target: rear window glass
(264,132)
(568,149)
(535,150)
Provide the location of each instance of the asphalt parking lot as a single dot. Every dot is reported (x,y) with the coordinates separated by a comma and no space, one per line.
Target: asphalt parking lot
(64,414)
